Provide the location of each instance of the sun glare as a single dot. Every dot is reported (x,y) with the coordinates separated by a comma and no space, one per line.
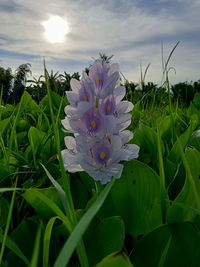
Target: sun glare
(56,29)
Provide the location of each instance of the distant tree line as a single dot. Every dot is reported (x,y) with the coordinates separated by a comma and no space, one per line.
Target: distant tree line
(12,86)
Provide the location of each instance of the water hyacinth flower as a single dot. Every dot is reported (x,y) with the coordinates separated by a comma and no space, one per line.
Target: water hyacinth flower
(98,118)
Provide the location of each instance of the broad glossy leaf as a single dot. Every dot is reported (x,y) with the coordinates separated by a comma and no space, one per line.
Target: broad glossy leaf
(150,139)
(40,207)
(39,143)
(175,155)
(14,248)
(36,137)
(189,197)
(106,238)
(149,249)
(194,140)
(24,236)
(174,245)
(136,197)
(118,259)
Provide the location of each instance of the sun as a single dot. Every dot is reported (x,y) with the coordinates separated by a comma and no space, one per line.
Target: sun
(56,28)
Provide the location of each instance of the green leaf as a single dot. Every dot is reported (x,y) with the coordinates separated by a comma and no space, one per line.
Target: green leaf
(194,140)
(36,138)
(24,235)
(14,248)
(118,259)
(165,125)
(46,203)
(174,245)
(106,238)
(81,190)
(150,139)
(136,197)
(4,208)
(153,245)
(4,125)
(80,228)
(189,196)
(175,155)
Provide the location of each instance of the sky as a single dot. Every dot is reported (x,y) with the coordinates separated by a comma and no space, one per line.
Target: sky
(134,31)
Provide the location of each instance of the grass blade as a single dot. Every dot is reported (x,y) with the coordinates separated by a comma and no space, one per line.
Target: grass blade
(46,241)
(54,208)
(36,251)
(8,223)
(59,189)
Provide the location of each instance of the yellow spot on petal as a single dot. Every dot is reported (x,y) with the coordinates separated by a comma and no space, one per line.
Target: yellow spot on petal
(93,124)
(102,155)
(85,98)
(97,80)
(108,108)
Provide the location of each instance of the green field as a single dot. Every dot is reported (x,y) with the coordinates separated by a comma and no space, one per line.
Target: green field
(149,217)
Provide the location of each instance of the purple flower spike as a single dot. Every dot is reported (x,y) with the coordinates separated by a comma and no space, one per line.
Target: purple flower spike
(98,118)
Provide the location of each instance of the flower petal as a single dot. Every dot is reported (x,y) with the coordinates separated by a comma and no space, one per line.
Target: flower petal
(70,111)
(113,68)
(124,107)
(70,143)
(109,85)
(75,85)
(133,151)
(67,125)
(126,136)
(72,98)
(119,93)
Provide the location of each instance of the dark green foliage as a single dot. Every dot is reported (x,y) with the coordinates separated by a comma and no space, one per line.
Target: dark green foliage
(143,221)
(184,92)
(6,78)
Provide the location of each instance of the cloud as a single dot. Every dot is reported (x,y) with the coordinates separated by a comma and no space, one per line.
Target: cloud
(132,30)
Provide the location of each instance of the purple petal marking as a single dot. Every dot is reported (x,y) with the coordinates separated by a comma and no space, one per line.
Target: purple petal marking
(101,152)
(108,105)
(86,92)
(93,120)
(109,85)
